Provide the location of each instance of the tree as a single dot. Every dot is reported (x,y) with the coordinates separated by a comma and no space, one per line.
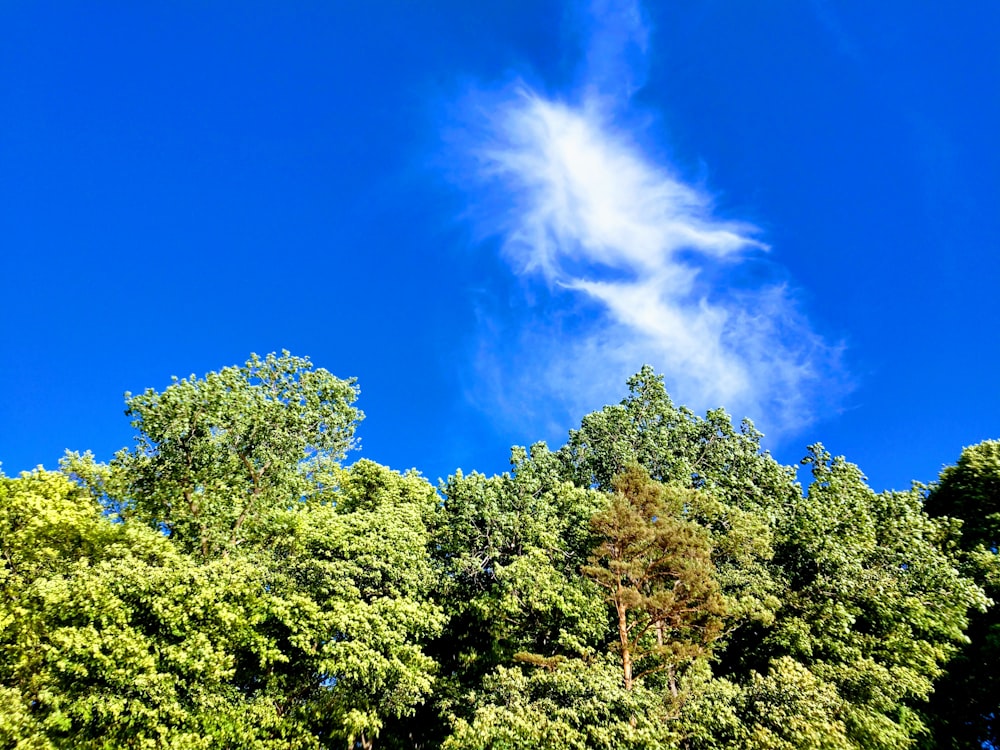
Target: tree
(239,471)
(110,636)
(111,633)
(508,550)
(353,567)
(872,607)
(675,446)
(965,708)
(741,489)
(575,705)
(850,584)
(228,584)
(511,546)
(216,455)
(656,569)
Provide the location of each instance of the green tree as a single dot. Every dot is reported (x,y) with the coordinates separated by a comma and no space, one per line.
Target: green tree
(228,584)
(850,584)
(741,489)
(965,707)
(578,704)
(111,637)
(214,456)
(353,567)
(675,446)
(320,576)
(508,550)
(872,607)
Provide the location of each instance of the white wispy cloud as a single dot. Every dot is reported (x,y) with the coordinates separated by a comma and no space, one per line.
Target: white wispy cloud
(637,266)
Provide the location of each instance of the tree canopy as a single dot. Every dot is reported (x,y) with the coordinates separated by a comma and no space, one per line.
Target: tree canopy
(966,706)
(659,581)
(215,455)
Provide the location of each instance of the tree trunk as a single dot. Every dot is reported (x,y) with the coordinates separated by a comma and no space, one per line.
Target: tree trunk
(623,637)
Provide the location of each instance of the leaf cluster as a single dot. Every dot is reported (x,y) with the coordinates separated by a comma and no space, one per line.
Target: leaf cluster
(659,581)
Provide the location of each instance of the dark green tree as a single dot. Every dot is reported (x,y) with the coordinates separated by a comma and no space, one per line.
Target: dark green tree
(741,489)
(508,550)
(965,707)
(675,446)
(849,584)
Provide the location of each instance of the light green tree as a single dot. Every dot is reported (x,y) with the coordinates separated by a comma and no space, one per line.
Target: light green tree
(111,637)
(741,489)
(676,446)
(226,583)
(580,704)
(353,565)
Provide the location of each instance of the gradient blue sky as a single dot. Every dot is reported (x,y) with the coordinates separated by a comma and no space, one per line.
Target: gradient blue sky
(492,213)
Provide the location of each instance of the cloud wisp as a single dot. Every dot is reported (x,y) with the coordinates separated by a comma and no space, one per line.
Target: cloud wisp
(636,267)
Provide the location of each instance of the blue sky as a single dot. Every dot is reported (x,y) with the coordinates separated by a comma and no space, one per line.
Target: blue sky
(492,214)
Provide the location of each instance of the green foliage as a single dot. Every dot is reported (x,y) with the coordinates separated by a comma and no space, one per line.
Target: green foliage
(675,446)
(215,456)
(579,704)
(850,584)
(226,584)
(873,607)
(658,582)
(111,636)
(791,709)
(354,569)
(965,709)
(510,548)
(742,490)
(970,490)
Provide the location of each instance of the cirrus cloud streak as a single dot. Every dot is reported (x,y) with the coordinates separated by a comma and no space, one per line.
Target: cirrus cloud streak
(634,267)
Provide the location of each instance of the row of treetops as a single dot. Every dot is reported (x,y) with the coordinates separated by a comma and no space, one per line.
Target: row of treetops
(659,581)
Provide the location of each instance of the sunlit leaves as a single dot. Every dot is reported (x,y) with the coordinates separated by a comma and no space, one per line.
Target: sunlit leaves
(111,634)
(215,455)
(658,582)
